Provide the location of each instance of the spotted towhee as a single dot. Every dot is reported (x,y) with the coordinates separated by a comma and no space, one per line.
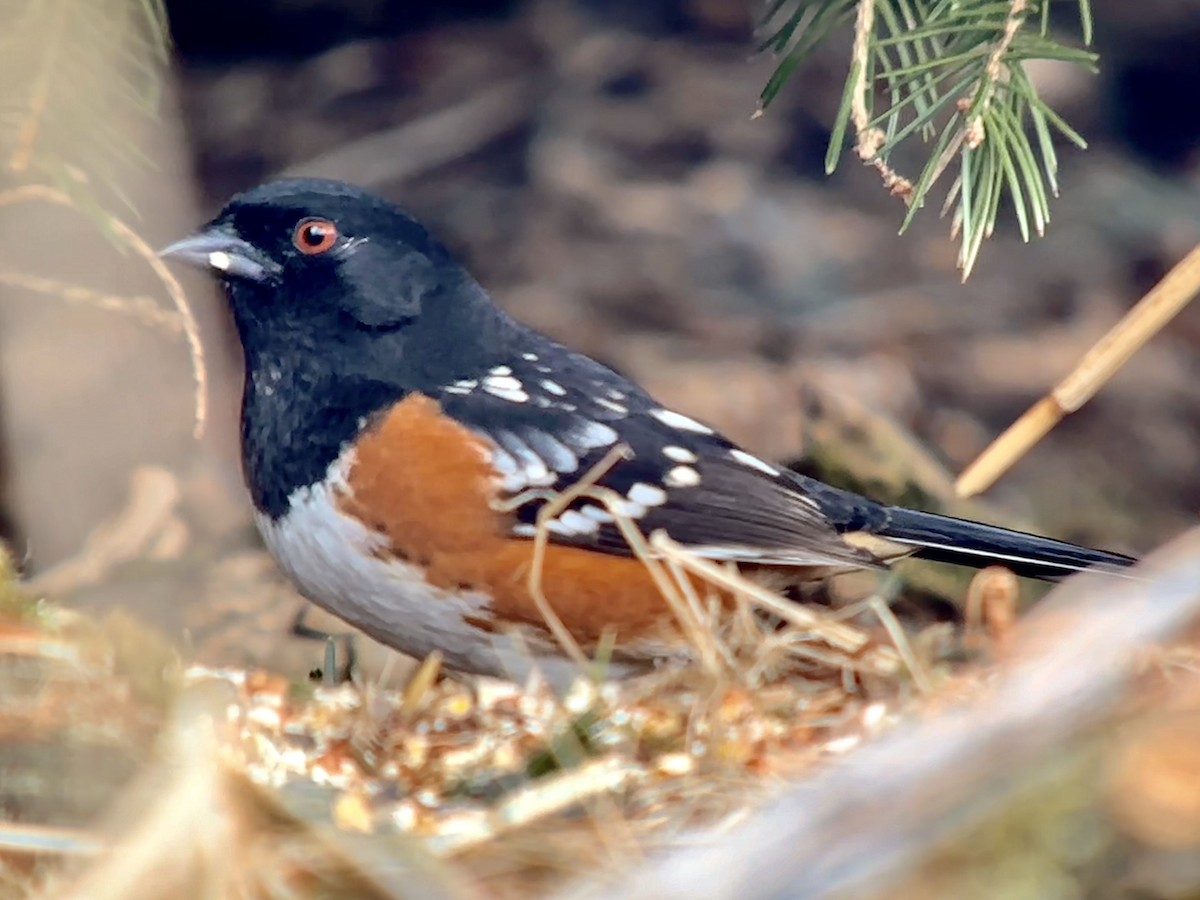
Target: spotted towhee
(390,410)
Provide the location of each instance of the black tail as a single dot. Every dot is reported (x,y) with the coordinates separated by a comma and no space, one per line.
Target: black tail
(967,543)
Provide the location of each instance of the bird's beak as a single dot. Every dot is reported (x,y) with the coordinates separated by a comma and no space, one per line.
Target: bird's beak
(224,252)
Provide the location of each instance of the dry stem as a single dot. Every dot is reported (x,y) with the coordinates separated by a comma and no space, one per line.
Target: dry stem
(1098,365)
(27,133)
(31,192)
(868,140)
(974,132)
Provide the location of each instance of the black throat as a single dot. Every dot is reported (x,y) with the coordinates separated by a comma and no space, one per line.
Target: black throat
(312,386)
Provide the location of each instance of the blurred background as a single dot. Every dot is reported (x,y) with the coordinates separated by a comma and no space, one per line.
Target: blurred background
(597,166)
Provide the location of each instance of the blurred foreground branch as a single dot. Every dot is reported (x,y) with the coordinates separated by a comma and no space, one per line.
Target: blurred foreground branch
(871,818)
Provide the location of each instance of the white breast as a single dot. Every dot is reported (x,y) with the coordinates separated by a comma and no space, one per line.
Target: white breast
(342,566)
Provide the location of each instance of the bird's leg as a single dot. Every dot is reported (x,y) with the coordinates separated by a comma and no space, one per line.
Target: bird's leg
(329,673)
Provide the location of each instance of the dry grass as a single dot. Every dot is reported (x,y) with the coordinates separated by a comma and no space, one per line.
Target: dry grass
(448,788)
(145,310)
(490,782)
(524,788)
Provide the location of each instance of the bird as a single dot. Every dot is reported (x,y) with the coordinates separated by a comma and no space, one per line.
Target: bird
(400,434)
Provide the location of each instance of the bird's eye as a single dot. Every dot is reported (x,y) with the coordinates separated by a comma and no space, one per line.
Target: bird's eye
(313,236)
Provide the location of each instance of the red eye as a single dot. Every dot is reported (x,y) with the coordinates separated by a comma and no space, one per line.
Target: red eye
(313,236)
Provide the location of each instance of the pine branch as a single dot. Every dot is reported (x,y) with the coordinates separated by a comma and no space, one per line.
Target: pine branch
(951,73)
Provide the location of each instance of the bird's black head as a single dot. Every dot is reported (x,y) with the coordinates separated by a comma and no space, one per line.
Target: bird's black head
(344,305)
(305,257)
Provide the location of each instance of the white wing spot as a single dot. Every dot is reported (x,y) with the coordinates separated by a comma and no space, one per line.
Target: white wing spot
(647,494)
(608,404)
(512,478)
(462,386)
(524,529)
(220,260)
(505,387)
(749,459)
(576,522)
(682,476)
(679,454)
(553,387)
(557,454)
(629,509)
(596,513)
(503,383)
(530,468)
(680,421)
(531,357)
(505,394)
(501,370)
(592,435)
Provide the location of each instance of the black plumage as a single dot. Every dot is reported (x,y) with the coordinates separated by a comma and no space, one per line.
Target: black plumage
(334,338)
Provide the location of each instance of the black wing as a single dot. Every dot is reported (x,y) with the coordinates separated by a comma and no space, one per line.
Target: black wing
(552,415)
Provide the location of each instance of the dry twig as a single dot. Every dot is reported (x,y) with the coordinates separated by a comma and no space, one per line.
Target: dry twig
(1139,325)
(147,516)
(128,236)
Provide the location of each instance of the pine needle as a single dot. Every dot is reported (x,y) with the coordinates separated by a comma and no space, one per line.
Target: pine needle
(952,74)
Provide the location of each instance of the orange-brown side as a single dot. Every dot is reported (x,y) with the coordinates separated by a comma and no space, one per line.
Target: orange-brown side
(425,482)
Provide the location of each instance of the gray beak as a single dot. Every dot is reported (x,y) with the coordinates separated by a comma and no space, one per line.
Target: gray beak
(226,254)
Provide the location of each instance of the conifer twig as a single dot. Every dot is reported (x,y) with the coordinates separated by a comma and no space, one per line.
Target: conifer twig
(953,75)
